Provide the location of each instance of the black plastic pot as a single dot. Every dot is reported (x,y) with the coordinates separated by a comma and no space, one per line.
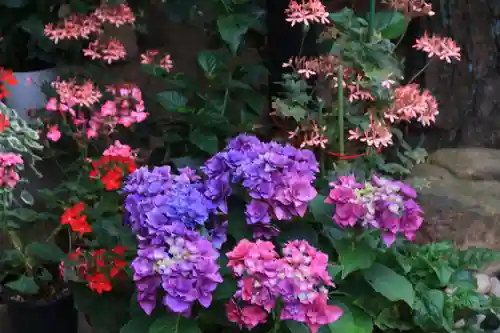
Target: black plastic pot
(58,316)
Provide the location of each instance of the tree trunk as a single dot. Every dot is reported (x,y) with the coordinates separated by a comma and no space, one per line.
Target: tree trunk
(468,92)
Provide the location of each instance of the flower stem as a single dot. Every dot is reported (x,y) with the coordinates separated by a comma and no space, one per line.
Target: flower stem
(340,106)
(420,71)
(371,21)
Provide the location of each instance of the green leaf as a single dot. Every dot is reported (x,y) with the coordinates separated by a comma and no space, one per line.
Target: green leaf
(296,327)
(209,61)
(390,24)
(354,256)
(232,28)
(389,283)
(174,324)
(23,214)
(297,112)
(24,285)
(173,101)
(428,309)
(298,231)
(14,3)
(226,289)
(27,198)
(46,251)
(353,320)
(206,142)
(139,324)
(237,227)
(321,211)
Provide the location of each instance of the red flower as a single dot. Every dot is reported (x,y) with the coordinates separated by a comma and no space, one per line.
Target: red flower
(98,256)
(119,265)
(113,179)
(6,78)
(4,122)
(77,221)
(119,250)
(111,170)
(99,283)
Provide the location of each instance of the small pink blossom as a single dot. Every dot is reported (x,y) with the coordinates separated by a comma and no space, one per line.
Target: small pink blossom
(9,162)
(53,133)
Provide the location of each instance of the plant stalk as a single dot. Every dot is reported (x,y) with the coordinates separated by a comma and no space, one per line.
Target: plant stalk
(340,107)
(18,245)
(371,21)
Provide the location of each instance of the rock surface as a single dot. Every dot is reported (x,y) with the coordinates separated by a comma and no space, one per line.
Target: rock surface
(462,202)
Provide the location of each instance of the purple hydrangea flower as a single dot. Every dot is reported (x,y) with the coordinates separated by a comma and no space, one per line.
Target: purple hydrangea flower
(183,266)
(278,178)
(381,204)
(158,199)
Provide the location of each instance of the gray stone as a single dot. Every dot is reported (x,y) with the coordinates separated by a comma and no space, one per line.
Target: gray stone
(462,202)
(469,163)
(483,283)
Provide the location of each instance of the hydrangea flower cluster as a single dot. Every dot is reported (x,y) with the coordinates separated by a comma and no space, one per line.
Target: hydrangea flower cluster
(299,278)
(382,204)
(278,178)
(177,229)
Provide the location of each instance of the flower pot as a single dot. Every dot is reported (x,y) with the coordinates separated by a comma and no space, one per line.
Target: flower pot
(27,94)
(56,316)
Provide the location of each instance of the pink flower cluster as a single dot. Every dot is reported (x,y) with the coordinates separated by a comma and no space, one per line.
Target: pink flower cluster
(79,101)
(410,104)
(9,163)
(119,149)
(443,48)
(150,57)
(306,12)
(299,278)
(79,26)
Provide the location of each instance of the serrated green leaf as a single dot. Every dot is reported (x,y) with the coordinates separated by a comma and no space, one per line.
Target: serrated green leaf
(354,256)
(353,320)
(209,61)
(428,309)
(390,284)
(173,101)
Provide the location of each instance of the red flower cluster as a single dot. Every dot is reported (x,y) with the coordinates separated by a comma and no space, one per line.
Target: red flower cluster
(111,170)
(98,267)
(4,121)
(116,161)
(76,219)
(6,78)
